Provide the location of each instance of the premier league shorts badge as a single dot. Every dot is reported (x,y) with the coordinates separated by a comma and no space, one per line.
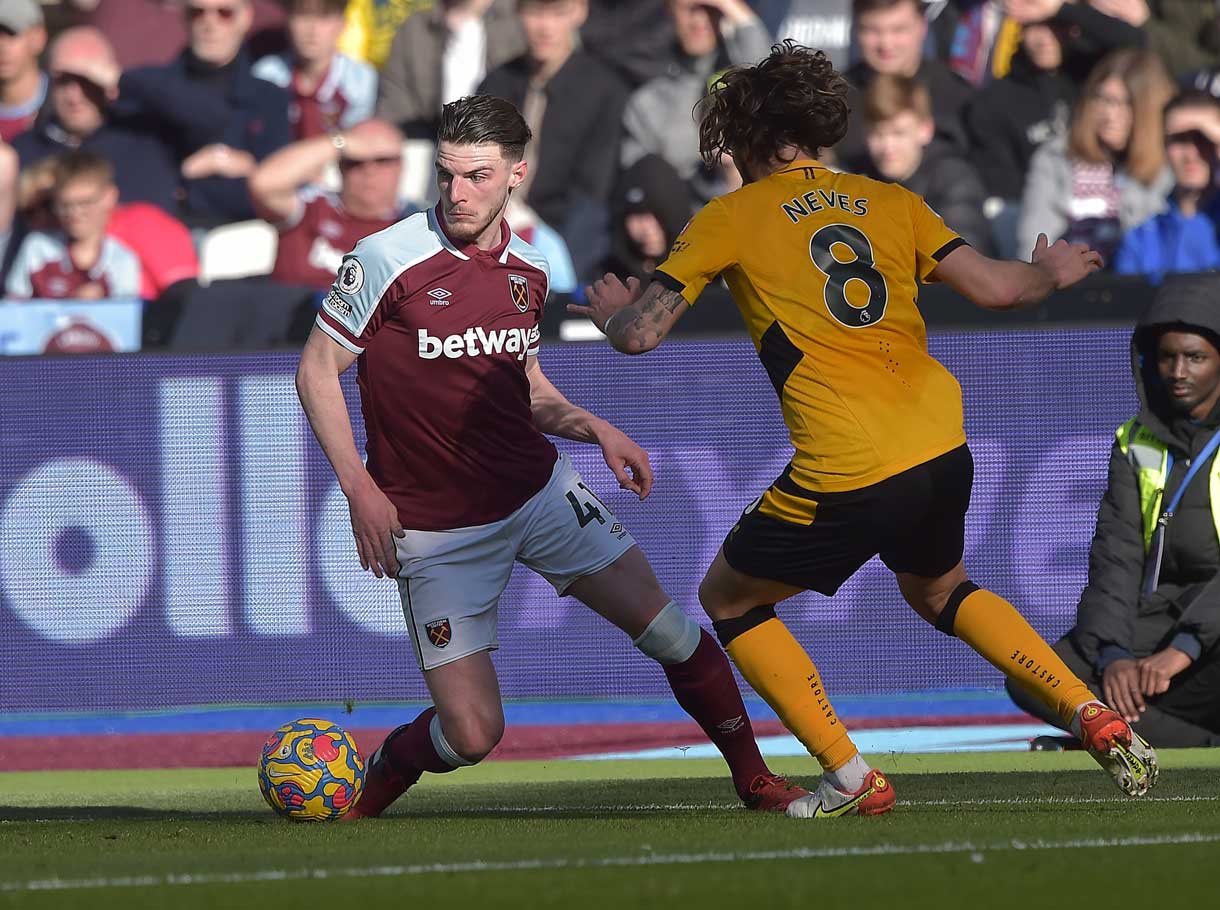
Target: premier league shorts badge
(520,290)
(439,632)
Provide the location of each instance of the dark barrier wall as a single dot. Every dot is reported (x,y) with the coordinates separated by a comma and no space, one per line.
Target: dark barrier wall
(170,533)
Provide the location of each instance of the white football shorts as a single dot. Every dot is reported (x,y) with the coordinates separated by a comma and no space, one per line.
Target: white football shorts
(450,582)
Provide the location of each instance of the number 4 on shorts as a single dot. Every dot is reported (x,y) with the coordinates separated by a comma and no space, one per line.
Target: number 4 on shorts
(586,512)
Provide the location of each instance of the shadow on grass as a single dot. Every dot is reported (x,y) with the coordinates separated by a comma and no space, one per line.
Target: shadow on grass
(78,814)
(125,813)
(1010,793)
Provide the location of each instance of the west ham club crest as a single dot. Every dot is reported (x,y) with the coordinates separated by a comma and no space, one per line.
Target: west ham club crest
(519,290)
(439,632)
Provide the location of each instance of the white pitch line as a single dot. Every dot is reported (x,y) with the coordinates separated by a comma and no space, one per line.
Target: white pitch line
(650,859)
(1059,800)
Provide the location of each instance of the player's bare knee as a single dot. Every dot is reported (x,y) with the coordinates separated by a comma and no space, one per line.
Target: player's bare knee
(928,604)
(469,736)
(718,604)
(472,738)
(930,596)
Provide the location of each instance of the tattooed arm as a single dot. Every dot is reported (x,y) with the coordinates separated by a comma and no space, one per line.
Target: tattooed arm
(634,320)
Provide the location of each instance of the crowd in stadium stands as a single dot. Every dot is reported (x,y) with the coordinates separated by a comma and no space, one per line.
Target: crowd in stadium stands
(134,134)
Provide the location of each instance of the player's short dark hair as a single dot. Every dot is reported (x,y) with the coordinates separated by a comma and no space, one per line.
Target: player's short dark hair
(328,7)
(485,119)
(863,7)
(74,165)
(793,97)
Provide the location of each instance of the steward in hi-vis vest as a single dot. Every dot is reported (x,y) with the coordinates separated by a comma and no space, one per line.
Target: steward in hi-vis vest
(1149,620)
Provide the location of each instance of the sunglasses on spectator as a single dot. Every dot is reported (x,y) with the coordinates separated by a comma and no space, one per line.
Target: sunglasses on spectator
(223,13)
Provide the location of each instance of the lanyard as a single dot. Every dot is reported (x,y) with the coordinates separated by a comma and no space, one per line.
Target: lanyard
(1157,550)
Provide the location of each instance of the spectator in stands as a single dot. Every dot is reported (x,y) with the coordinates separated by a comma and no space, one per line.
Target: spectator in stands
(221,119)
(650,210)
(633,37)
(660,117)
(23,86)
(1109,173)
(316,228)
(79,260)
(153,33)
(898,121)
(79,115)
(33,198)
(1147,633)
(1182,238)
(890,35)
(10,168)
(824,24)
(574,106)
(330,91)
(442,54)
(1184,33)
(163,244)
(526,224)
(1011,117)
(976,38)
(1086,32)
(980,38)
(371,25)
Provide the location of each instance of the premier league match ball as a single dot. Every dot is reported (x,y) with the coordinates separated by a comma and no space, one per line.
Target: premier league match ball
(311,771)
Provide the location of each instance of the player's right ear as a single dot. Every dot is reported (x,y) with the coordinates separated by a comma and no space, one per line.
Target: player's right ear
(516,176)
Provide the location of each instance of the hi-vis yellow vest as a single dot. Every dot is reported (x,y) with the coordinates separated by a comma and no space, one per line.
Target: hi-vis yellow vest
(1150,458)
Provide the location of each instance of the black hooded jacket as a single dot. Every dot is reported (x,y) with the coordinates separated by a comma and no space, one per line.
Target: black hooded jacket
(950,184)
(1114,618)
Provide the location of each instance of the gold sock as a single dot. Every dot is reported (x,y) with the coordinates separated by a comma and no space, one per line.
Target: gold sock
(994,628)
(779,670)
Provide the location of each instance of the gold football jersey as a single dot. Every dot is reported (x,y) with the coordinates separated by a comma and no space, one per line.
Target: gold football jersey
(825,268)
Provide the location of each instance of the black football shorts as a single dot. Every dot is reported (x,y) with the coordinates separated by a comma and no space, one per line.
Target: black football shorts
(915,520)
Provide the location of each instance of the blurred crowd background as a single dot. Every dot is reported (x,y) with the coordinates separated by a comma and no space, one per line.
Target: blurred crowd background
(216,158)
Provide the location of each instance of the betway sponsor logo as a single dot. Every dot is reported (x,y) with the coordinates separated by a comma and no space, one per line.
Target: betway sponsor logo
(476,341)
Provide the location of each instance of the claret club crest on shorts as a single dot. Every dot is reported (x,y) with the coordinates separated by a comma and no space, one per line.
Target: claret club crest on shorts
(519,288)
(439,632)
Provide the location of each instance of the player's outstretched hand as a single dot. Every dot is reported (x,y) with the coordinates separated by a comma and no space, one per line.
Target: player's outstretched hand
(1066,262)
(375,524)
(606,297)
(627,460)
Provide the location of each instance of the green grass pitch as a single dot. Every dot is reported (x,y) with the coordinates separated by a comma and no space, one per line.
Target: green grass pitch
(975,831)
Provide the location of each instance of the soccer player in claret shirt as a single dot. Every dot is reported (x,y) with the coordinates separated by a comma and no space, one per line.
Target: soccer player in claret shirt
(441,311)
(825,269)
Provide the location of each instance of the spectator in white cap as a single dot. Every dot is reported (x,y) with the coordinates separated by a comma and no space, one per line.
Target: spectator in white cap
(23,86)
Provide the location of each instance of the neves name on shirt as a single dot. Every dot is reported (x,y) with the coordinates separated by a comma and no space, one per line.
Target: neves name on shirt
(815,201)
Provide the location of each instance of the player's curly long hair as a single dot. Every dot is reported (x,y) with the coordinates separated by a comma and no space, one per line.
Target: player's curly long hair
(794,97)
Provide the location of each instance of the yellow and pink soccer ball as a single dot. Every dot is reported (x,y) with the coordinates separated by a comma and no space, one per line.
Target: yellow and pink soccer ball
(310,770)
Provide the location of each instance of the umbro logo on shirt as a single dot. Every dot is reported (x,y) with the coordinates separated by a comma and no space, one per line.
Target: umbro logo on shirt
(440,297)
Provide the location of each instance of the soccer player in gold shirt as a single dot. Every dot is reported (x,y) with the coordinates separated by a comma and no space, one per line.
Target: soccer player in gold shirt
(825,268)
